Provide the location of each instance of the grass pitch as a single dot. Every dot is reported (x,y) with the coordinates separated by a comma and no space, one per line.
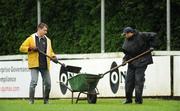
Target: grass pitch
(101,105)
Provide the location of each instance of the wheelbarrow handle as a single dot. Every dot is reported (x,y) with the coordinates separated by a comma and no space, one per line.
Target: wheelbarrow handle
(130,60)
(48,56)
(61,83)
(74,69)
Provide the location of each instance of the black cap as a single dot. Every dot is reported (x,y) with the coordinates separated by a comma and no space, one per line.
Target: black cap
(128,29)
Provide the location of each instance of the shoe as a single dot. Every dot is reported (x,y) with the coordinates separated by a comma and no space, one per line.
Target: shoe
(127,102)
(138,102)
(46,102)
(31,102)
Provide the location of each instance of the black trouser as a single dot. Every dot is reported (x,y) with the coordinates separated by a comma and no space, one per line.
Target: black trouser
(135,80)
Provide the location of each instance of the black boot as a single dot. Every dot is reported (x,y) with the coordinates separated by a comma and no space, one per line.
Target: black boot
(31,96)
(128,98)
(138,98)
(46,96)
(127,102)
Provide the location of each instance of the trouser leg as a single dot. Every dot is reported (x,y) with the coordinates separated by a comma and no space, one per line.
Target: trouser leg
(46,83)
(129,83)
(139,83)
(33,84)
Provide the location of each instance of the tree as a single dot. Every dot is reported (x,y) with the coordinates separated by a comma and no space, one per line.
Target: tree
(74,25)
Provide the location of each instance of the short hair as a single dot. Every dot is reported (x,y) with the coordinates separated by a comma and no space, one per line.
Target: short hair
(42,25)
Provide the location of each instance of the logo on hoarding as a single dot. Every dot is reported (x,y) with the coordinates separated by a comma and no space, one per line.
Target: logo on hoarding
(115,78)
(63,77)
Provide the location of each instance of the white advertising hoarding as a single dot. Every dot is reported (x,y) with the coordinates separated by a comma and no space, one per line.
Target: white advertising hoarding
(15,78)
(176,75)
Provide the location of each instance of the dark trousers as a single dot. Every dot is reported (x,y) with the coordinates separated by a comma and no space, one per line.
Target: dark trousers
(46,82)
(135,80)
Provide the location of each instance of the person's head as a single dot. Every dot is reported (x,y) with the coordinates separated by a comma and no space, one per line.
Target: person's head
(42,29)
(128,32)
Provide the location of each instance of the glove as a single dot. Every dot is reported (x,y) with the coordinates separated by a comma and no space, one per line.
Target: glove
(63,65)
(151,48)
(54,59)
(35,49)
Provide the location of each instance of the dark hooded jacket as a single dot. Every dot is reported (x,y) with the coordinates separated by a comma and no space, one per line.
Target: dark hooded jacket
(139,43)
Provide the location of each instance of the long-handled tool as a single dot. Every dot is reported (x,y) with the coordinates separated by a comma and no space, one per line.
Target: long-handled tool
(73,69)
(130,60)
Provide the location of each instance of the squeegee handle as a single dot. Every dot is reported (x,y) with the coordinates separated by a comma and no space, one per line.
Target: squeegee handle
(130,60)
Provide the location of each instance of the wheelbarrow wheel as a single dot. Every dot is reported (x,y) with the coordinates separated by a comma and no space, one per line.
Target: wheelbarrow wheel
(92,97)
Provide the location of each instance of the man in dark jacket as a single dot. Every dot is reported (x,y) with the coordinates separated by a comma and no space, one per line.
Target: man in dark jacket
(136,43)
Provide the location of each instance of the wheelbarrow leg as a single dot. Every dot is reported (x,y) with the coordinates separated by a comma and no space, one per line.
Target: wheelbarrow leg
(78,98)
(70,90)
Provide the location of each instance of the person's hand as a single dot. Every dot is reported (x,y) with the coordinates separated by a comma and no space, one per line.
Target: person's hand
(54,59)
(63,65)
(151,48)
(35,49)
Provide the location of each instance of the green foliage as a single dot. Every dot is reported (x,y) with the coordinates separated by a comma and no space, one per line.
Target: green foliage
(74,25)
(18,20)
(144,16)
(175,25)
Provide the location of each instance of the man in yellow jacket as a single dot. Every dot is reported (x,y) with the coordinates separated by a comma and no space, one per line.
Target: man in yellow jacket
(38,62)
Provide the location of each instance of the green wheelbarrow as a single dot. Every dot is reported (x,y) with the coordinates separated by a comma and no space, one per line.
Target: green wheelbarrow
(86,84)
